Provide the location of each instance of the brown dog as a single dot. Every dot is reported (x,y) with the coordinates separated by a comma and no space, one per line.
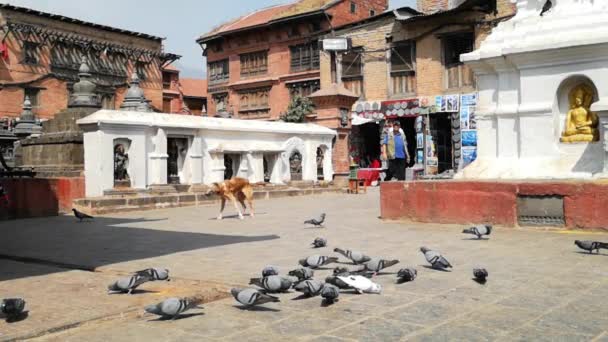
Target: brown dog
(235,189)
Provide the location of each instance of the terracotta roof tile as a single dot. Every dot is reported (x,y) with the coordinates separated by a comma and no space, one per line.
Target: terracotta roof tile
(193,87)
(266,15)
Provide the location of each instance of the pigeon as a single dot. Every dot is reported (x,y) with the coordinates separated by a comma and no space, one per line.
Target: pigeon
(546,7)
(330,294)
(128,284)
(173,307)
(335,281)
(480,275)
(479,230)
(12,308)
(319,242)
(318,222)
(590,246)
(317,261)
(355,256)
(310,287)
(270,271)
(435,259)
(252,297)
(376,265)
(302,273)
(154,274)
(81,216)
(361,284)
(272,284)
(407,274)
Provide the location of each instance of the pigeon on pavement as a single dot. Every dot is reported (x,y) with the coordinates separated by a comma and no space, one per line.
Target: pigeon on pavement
(355,256)
(480,275)
(252,297)
(270,270)
(376,265)
(12,308)
(317,222)
(330,293)
(173,307)
(128,284)
(316,261)
(319,242)
(302,273)
(435,259)
(361,284)
(479,230)
(154,274)
(591,246)
(272,284)
(407,274)
(310,287)
(81,216)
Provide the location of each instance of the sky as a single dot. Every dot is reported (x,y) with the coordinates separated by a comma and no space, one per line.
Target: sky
(179,21)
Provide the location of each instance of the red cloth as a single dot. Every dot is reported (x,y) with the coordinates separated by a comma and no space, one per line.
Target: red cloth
(376,164)
(4,51)
(368,176)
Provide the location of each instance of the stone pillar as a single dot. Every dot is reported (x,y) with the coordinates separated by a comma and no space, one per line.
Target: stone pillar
(601,109)
(275,174)
(196,161)
(158,159)
(331,104)
(256,167)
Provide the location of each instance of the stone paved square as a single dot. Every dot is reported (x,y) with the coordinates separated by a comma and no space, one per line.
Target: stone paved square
(540,287)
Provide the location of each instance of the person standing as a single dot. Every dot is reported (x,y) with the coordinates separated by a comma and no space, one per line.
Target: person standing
(395,150)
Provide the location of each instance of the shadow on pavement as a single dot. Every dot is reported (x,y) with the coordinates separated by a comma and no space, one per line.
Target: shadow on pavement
(61,243)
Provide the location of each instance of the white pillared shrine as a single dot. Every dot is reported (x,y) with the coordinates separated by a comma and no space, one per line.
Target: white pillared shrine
(193,150)
(534,73)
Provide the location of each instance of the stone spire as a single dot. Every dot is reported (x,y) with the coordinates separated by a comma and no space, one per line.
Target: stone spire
(135,99)
(84,90)
(27,124)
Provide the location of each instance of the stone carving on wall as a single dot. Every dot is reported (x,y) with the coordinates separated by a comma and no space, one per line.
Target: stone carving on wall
(295,165)
(581,122)
(121,163)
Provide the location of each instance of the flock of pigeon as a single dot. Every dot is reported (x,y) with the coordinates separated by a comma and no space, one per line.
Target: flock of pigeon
(300,279)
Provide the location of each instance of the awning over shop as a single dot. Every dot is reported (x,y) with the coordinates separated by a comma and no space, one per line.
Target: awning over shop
(359,120)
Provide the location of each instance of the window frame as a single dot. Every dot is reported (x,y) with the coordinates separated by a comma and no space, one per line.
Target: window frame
(34,100)
(451,65)
(359,51)
(218,78)
(353,7)
(258,99)
(256,63)
(372,12)
(445,39)
(314,57)
(224,97)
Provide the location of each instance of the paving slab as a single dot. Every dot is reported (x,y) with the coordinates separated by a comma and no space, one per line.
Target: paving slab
(540,287)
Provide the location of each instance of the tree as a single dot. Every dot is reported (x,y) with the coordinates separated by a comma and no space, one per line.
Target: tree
(298,109)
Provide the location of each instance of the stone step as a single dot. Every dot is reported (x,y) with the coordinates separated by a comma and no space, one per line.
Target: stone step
(136,202)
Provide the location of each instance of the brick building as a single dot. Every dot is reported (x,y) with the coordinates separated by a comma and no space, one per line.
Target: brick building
(183,95)
(257,62)
(405,64)
(40,54)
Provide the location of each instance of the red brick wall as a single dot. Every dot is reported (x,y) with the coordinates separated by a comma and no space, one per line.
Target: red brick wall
(468,202)
(40,197)
(341,13)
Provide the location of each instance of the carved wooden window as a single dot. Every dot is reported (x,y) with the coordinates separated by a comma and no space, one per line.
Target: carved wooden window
(218,72)
(352,71)
(305,57)
(254,99)
(353,7)
(403,70)
(31,52)
(221,102)
(255,63)
(303,89)
(458,74)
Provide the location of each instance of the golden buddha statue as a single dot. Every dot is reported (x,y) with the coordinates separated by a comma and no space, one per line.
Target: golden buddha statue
(581,122)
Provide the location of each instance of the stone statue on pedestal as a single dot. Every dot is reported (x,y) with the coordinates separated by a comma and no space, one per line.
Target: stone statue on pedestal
(121,162)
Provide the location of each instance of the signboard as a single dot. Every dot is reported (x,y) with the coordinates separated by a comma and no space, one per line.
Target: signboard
(336,44)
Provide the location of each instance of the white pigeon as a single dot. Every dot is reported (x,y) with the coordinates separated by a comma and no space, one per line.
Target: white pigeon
(361,284)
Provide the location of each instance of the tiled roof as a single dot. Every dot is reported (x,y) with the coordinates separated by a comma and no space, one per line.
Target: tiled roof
(193,87)
(77,21)
(268,15)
